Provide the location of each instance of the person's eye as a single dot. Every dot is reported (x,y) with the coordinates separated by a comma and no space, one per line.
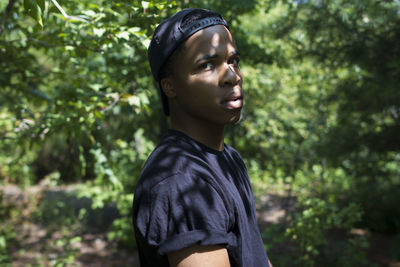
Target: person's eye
(206,66)
(234,61)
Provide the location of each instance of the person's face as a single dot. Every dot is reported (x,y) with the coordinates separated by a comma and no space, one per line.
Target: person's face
(206,79)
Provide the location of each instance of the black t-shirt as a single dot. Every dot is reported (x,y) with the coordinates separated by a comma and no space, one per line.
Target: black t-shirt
(190,194)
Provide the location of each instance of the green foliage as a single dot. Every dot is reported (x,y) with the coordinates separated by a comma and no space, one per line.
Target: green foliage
(120,226)
(5,237)
(316,216)
(320,122)
(9,216)
(33,9)
(67,257)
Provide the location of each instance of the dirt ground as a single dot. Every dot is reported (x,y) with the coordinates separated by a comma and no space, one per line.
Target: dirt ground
(37,245)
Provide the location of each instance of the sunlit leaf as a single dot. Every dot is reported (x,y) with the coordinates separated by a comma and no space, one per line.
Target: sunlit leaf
(32,9)
(41,4)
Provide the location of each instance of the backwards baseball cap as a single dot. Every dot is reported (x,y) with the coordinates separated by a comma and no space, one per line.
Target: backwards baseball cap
(174,31)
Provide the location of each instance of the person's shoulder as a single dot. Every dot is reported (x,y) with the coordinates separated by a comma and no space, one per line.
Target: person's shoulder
(232,151)
(172,148)
(174,154)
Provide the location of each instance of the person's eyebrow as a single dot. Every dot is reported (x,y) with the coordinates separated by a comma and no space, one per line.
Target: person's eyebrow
(207,57)
(212,56)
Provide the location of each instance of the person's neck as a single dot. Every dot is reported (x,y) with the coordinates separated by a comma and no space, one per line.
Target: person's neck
(211,136)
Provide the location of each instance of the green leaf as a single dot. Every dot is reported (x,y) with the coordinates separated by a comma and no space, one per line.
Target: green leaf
(75,239)
(2,242)
(133,100)
(41,4)
(32,9)
(123,35)
(145,4)
(146,43)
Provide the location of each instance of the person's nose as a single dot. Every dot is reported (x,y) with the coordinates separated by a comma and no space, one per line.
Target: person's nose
(230,75)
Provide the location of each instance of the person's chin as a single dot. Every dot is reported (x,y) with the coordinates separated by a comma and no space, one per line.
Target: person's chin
(237,117)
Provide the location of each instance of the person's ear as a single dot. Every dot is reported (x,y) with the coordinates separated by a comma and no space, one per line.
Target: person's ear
(168,87)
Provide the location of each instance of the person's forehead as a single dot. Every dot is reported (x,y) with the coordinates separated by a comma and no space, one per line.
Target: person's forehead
(213,33)
(210,40)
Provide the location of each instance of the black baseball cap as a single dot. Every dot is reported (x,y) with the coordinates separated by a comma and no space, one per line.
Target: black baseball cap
(171,33)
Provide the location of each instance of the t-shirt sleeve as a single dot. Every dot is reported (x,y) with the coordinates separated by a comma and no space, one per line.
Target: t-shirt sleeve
(184,211)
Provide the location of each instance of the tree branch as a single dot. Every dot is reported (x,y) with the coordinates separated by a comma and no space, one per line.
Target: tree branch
(7,11)
(66,16)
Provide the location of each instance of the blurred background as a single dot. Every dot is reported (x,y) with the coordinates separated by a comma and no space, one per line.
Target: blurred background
(320,134)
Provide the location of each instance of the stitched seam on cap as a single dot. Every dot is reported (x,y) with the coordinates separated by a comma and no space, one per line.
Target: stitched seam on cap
(198,25)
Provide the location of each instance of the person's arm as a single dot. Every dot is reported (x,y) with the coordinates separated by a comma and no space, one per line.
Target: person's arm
(200,256)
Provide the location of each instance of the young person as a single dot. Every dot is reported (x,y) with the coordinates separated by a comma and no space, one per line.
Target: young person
(193,204)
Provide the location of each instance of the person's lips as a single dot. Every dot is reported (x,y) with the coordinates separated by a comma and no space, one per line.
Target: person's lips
(234,101)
